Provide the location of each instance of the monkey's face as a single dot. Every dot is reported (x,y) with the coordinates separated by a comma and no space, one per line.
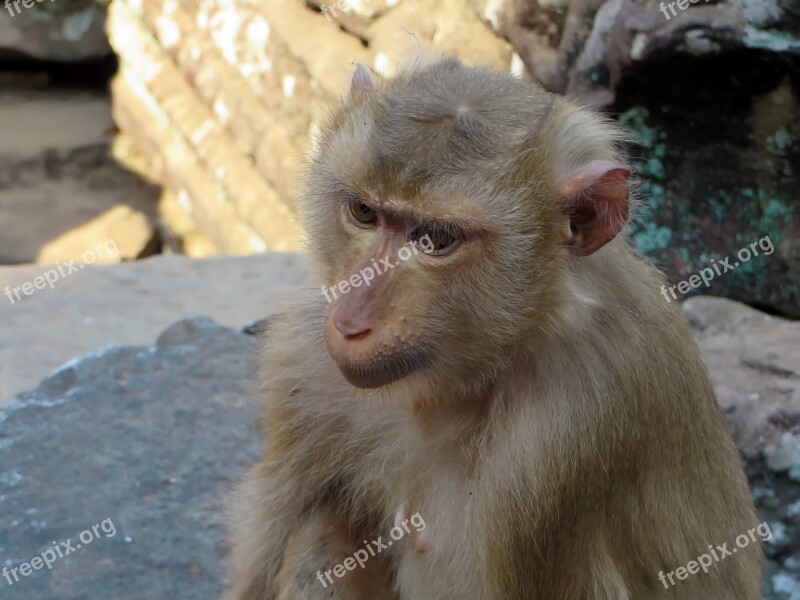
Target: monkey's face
(388,316)
(440,229)
(430,286)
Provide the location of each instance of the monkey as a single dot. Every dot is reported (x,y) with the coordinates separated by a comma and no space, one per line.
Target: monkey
(520,384)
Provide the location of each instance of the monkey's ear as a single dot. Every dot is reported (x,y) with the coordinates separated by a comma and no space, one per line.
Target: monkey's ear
(596,205)
(361,82)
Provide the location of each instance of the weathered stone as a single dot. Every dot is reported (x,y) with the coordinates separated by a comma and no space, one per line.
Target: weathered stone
(37,119)
(181,170)
(534,29)
(430,23)
(600,41)
(754,362)
(107,205)
(131,303)
(59,32)
(252,202)
(182,235)
(55,160)
(709,195)
(234,91)
(153,439)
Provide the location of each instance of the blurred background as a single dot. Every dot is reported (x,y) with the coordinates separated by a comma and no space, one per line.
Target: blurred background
(164,140)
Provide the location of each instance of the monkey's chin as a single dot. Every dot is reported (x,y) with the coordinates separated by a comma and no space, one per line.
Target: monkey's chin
(379,373)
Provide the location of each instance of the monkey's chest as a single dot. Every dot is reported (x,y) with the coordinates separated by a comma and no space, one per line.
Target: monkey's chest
(439,542)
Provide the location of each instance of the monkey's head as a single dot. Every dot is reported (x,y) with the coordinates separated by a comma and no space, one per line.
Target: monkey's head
(444,207)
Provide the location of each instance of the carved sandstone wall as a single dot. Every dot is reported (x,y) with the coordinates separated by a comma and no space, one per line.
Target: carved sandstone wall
(221,96)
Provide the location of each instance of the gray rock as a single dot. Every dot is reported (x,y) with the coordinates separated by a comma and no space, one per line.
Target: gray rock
(151,438)
(56,160)
(131,304)
(785,456)
(754,363)
(54,31)
(601,40)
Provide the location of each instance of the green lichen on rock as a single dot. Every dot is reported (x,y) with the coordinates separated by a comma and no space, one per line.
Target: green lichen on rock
(648,236)
(635,119)
(703,197)
(770,215)
(652,238)
(779,143)
(652,151)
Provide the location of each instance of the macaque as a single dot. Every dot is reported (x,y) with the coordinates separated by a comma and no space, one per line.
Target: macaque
(520,384)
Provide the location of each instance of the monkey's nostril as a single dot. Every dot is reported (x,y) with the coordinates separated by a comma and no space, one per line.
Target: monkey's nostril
(352,331)
(351,337)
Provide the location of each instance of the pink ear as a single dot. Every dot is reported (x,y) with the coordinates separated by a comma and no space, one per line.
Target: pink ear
(596,202)
(361,82)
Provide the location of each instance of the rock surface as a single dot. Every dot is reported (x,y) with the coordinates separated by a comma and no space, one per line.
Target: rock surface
(718,171)
(224,98)
(754,362)
(130,304)
(62,194)
(153,438)
(60,32)
(585,48)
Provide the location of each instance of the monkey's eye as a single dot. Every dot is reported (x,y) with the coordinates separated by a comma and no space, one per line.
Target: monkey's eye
(361,213)
(434,240)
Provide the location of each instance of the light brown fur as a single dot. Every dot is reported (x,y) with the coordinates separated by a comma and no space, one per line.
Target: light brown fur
(561,441)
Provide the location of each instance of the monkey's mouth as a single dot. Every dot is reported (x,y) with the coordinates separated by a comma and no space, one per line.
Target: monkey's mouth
(378,373)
